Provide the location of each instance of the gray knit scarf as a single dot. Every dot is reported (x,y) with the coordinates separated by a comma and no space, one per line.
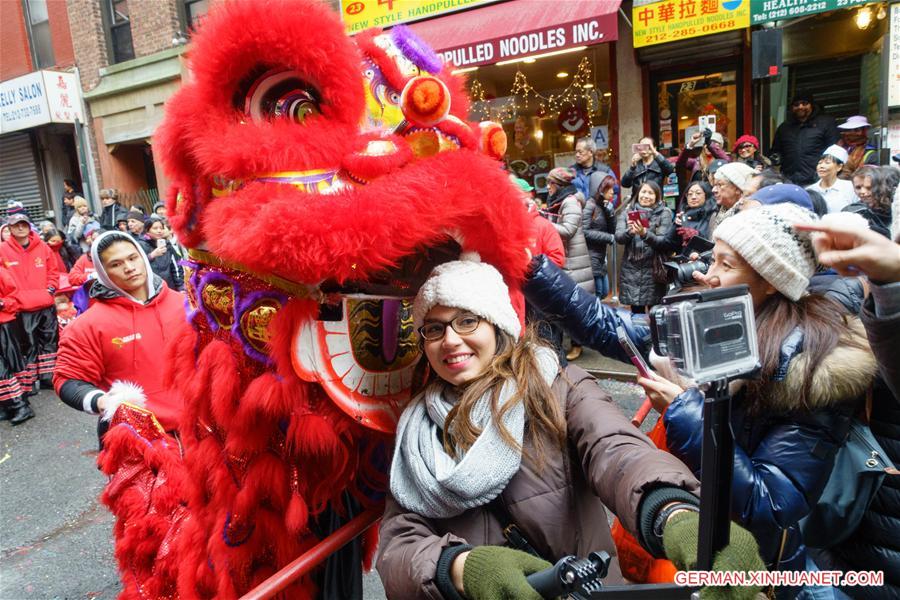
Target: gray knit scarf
(428,481)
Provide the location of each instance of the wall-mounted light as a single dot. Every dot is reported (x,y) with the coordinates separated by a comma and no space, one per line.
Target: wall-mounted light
(539,135)
(537,56)
(588,86)
(529,61)
(466,70)
(684,118)
(882,12)
(562,74)
(607,94)
(864,17)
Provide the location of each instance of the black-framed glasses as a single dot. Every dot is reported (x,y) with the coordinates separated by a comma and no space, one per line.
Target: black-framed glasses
(463,324)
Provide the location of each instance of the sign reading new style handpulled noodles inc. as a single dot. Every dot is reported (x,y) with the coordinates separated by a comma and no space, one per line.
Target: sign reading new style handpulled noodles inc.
(363,14)
(776,10)
(670,20)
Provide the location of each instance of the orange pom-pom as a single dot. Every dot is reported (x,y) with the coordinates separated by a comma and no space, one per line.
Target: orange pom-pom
(425,101)
(492,139)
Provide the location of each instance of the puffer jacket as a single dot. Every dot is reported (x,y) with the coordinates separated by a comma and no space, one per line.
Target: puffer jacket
(565,210)
(783,452)
(636,284)
(166,266)
(876,543)
(560,509)
(599,226)
(800,145)
(588,320)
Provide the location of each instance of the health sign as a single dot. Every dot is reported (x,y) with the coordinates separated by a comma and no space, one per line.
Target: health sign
(774,10)
(363,14)
(670,20)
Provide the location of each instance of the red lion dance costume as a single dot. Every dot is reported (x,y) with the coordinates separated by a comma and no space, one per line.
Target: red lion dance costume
(317,179)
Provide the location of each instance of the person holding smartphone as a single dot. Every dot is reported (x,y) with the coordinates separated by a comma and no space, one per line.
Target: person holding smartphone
(163,258)
(647,164)
(644,229)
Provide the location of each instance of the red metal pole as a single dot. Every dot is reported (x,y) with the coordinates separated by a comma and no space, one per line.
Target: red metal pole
(315,555)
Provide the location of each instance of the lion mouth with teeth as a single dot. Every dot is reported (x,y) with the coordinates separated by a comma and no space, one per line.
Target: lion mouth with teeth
(316,181)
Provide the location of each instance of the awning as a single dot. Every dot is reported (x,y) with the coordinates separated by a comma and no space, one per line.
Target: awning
(519,28)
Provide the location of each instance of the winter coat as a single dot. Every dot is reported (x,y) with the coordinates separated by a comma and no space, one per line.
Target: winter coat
(784,452)
(688,165)
(657,171)
(875,545)
(544,238)
(565,211)
(111,214)
(588,320)
(800,145)
(879,220)
(694,220)
(599,226)
(166,266)
(636,284)
(588,180)
(117,339)
(560,509)
(35,270)
(75,231)
(82,270)
(8,302)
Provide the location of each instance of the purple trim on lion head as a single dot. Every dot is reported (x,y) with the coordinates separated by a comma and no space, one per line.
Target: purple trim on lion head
(216,277)
(243,305)
(415,49)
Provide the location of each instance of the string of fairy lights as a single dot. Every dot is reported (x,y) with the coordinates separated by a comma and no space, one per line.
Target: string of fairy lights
(522,93)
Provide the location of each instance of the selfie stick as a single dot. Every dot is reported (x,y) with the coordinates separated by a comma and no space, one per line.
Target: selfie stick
(717,464)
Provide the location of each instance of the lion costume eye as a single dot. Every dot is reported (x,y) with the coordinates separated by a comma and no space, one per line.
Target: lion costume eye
(280,95)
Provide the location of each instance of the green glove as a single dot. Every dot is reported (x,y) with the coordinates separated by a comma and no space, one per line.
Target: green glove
(741,554)
(498,573)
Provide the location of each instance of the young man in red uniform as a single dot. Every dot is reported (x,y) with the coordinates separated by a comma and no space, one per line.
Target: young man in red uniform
(115,351)
(13,406)
(34,269)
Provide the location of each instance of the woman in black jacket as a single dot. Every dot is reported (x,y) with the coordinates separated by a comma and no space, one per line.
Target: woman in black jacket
(162,255)
(639,286)
(647,165)
(695,211)
(599,226)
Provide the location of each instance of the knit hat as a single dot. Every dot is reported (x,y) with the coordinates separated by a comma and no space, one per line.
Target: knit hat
(91,227)
(15,213)
(717,138)
(746,139)
(783,193)
(471,285)
(136,213)
(561,175)
(802,96)
(837,153)
(737,173)
(158,205)
(766,239)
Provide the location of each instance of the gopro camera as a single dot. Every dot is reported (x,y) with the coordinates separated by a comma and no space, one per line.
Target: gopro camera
(708,334)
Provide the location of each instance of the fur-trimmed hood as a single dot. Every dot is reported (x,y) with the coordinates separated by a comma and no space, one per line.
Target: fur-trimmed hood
(843,376)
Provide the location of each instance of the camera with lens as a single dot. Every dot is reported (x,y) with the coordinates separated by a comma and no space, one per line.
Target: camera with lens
(708,334)
(680,272)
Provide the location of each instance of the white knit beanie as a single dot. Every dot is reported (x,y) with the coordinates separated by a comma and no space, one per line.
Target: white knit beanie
(765,238)
(471,285)
(737,173)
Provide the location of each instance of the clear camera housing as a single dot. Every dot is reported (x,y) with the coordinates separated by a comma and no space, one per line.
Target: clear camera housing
(708,335)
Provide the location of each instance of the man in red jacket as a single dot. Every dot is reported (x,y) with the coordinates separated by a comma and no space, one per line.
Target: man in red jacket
(13,405)
(34,269)
(114,352)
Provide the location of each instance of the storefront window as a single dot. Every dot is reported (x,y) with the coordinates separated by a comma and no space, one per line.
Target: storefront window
(686,103)
(545,104)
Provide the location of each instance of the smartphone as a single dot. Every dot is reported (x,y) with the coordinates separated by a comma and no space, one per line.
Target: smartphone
(638,148)
(633,355)
(160,243)
(639,216)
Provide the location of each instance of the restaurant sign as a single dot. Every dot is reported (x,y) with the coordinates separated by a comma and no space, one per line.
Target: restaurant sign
(776,10)
(671,20)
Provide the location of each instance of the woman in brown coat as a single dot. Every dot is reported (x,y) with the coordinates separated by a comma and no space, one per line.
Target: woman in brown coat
(501,436)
